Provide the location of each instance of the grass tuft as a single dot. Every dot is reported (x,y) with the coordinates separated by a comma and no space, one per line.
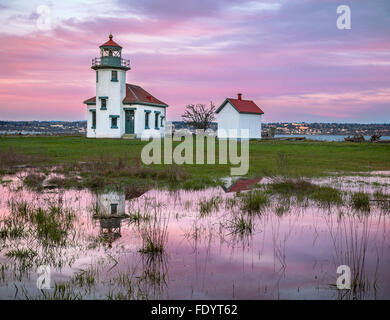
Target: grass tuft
(360,201)
(254,200)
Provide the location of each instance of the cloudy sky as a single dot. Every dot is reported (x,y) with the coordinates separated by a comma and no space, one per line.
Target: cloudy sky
(286,55)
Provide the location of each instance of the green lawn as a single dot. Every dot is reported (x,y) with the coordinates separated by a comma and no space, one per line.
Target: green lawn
(301,157)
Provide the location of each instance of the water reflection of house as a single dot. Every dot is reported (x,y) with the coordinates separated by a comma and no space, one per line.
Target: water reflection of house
(111,203)
(111,208)
(237,185)
(110,229)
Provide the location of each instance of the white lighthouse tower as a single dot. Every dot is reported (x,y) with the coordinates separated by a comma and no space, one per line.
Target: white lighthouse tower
(120,109)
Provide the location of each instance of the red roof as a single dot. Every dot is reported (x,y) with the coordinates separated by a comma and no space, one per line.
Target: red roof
(242,185)
(90,101)
(242,106)
(135,95)
(110,43)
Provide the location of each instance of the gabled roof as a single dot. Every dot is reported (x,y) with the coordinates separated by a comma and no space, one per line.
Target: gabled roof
(110,43)
(90,101)
(242,106)
(135,95)
(242,185)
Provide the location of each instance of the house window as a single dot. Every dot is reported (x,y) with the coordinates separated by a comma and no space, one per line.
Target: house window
(114,122)
(156,121)
(93,120)
(147,119)
(162,121)
(103,104)
(114,208)
(156,113)
(97,76)
(114,75)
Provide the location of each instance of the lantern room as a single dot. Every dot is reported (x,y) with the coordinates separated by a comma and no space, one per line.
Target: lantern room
(110,56)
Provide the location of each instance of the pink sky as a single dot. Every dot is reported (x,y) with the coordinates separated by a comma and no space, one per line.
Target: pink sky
(287,56)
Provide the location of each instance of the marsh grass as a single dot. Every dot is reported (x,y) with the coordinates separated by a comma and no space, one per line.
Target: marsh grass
(230,203)
(86,278)
(12,160)
(241,225)
(62,291)
(327,196)
(64,182)
(198,183)
(253,201)
(21,254)
(51,224)
(137,217)
(303,189)
(360,201)
(206,206)
(383,200)
(154,233)
(34,180)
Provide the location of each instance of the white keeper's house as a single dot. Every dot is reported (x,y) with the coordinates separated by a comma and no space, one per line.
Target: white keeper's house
(237,114)
(120,109)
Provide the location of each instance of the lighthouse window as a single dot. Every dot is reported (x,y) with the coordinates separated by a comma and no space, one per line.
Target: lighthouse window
(93,119)
(104,104)
(114,123)
(114,75)
(162,122)
(97,76)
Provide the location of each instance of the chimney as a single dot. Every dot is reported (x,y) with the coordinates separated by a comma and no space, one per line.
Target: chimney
(239,96)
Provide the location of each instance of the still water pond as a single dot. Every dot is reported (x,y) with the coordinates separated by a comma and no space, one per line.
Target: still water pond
(288,250)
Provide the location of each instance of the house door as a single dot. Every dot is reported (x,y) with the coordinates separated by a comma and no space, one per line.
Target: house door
(129,126)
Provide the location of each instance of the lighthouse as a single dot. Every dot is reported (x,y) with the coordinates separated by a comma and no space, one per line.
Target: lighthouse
(120,109)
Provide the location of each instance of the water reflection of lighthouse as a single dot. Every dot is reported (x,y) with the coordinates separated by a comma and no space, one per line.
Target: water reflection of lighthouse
(111,212)
(111,203)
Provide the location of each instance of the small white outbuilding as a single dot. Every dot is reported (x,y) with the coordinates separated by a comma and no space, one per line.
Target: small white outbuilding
(237,114)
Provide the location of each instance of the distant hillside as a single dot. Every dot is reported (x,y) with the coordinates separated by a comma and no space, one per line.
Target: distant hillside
(79,127)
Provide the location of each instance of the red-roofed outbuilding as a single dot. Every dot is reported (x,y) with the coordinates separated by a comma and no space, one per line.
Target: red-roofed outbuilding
(239,118)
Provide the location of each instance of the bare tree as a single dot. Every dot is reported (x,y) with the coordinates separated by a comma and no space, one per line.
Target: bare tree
(199,116)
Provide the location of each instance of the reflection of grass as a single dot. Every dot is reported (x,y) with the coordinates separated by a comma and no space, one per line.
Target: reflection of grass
(241,225)
(154,234)
(137,217)
(85,277)
(21,254)
(206,206)
(360,201)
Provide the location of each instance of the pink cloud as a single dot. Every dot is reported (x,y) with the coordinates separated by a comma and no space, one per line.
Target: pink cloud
(270,57)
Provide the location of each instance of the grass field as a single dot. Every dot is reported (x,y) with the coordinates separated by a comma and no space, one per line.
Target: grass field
(300,158)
